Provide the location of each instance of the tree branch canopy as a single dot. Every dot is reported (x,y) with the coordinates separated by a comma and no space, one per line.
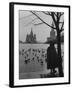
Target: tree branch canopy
(61,13)
(53,17)
(47,13)
(56,16)
(42,19)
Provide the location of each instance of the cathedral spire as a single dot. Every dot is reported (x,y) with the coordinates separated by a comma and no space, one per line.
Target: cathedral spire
(52,33)
(31,38)
(31,32)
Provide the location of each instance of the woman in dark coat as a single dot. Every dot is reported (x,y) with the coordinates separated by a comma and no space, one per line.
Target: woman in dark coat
(52,58)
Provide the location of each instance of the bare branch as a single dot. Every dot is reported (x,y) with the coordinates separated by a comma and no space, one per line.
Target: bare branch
(48,13)
(60,14)
(53,17)
(45,13)
(55,14)
(42,20)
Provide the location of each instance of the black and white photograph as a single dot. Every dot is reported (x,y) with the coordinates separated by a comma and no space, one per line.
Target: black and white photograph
(40,46)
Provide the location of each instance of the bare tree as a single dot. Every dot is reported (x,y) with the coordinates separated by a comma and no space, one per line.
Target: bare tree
(59,27)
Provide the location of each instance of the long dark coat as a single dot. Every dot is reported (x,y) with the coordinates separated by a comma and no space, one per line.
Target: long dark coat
(52,58)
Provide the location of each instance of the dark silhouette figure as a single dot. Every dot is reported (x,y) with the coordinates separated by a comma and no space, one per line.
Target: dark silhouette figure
(52,58)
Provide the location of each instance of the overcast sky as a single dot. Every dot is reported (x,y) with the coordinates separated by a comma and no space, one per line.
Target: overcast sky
(26,19)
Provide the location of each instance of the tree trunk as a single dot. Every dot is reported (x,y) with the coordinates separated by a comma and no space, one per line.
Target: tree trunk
(59,54)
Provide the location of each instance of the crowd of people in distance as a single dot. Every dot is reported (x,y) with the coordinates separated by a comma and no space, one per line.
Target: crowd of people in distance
(42,56)
(33,55)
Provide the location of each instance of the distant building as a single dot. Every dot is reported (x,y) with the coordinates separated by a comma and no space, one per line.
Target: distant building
(52,35)
(31,38)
